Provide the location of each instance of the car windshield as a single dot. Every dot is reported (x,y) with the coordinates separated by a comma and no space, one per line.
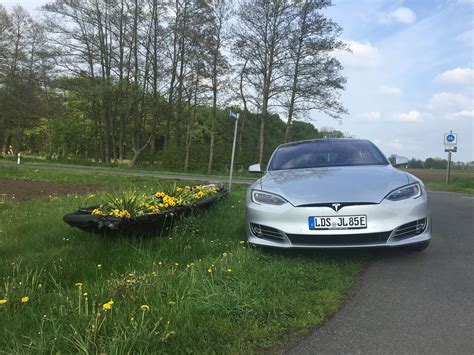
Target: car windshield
(326,153)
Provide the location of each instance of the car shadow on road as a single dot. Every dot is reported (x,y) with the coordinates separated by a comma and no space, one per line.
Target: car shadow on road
(343,253)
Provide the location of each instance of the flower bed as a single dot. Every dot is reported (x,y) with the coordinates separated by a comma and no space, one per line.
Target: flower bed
(152,214)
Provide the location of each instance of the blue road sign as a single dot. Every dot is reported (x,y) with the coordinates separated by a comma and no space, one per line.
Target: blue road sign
(450,138)
(234,115)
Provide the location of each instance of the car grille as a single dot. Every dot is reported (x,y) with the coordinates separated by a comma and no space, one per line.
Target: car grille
(409,230)
(339,239)
(265,232)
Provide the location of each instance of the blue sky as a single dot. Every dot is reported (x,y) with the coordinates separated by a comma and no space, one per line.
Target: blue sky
(410,73)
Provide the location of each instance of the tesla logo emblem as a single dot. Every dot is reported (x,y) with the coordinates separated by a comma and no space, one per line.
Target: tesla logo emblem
(335,206)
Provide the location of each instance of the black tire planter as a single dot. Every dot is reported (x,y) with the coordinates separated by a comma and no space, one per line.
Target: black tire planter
(156,224)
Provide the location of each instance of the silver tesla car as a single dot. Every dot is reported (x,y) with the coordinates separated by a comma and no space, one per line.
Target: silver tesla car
(336,193)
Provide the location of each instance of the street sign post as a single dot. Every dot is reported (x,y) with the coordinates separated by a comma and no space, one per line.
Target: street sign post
(235,117)
(450,146)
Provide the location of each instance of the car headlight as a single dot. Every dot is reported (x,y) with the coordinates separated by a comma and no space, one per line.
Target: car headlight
(409,191)
(267,198)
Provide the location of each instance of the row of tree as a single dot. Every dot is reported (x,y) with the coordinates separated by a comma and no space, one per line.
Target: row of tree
(117,80)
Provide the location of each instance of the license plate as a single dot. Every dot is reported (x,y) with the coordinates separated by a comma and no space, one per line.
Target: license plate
(338,222)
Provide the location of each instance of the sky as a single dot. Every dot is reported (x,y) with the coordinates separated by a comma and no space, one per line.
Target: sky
(410,75)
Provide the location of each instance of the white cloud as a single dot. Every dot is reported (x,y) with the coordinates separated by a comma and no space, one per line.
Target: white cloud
(401,15)
(390,146)
(461,115)
(371,116)
(411,116)
(450,102)
(464,76)
(391,90)
(363,55)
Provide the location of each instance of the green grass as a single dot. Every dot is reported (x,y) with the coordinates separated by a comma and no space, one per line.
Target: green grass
(456,184)
(88,164)
(247,302)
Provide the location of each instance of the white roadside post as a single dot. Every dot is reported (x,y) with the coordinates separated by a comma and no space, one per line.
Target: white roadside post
(450,146)
(19,158)
(234,116)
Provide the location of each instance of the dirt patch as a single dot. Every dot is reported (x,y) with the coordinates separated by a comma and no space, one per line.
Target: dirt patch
(22,190)
(438,175)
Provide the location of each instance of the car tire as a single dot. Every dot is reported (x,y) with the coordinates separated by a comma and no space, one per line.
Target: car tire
(419,246)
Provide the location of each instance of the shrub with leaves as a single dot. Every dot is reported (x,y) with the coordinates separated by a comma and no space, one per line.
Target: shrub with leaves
(130,204)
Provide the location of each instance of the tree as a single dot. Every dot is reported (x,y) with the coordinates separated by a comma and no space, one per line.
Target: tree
(21,49)
(217,37)
(312,74)
(264,27)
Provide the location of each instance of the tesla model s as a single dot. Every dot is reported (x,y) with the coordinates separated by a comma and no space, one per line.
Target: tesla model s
(336,193)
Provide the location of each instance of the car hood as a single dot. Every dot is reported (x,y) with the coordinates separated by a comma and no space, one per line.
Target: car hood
(366,184)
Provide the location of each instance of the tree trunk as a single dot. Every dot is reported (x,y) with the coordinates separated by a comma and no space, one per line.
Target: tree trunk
(137,152)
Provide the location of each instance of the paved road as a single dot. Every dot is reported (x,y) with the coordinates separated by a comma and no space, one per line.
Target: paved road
(411,303)
(133,173)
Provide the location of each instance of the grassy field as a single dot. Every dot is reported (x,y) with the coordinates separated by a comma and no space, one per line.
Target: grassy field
(435,179)
(203,290)
(116,166)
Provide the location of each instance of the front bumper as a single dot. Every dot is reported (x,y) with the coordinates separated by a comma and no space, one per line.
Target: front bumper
(287,226)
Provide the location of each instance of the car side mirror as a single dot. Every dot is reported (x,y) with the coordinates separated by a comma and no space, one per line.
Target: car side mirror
(400,160)
(255,168)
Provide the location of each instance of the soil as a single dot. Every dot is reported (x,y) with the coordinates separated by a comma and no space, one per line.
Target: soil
(23,190)
(438,175)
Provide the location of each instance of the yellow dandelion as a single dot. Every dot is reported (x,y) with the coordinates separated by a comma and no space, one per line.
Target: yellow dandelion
(40,285)
(3,301)
(209,270)
(176,264)
(145,307)
(229,269)
(25,299)
(106,307)
(79,285)
(242,241)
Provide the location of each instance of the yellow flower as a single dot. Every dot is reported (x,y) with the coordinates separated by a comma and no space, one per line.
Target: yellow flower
(79,285)
(25,299)
(96,211)
(3,301)
(242,242)
(99,266)
(108,306)
(177,264)
(209,270)
(229,269)
(171,302)
(145,307)
(40,285)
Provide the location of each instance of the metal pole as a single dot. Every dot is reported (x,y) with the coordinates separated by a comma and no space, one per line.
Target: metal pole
(233,153)
(448,172)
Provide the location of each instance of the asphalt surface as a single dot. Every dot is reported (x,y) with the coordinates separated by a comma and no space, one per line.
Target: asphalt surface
(170,176)
(411,302)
